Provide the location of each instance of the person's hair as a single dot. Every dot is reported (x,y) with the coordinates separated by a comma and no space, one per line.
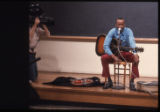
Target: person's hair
(119,18)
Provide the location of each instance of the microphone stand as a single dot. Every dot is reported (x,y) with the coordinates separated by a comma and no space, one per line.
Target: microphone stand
(117,85)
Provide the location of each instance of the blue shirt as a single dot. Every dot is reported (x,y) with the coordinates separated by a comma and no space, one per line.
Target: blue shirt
(126,37)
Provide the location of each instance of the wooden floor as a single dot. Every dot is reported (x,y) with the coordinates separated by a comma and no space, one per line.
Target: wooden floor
(99,95)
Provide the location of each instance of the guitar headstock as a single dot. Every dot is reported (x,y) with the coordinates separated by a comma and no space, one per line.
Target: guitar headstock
(139,49)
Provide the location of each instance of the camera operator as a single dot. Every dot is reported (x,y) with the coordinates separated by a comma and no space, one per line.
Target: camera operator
(35,31)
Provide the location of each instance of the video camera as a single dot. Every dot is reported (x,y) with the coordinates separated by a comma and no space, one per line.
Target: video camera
(36,11)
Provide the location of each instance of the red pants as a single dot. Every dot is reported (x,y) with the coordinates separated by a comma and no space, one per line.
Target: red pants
(106,59)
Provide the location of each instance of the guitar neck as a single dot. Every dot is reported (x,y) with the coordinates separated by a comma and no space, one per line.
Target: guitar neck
(129,48)
(126,48)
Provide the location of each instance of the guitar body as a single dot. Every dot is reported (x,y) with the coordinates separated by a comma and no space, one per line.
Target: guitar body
(99,44)
(113,46)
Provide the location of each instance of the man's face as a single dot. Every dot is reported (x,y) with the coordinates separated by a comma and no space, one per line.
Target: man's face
(120,23)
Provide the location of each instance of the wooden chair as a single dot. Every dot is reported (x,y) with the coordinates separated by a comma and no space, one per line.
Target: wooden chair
(124,68)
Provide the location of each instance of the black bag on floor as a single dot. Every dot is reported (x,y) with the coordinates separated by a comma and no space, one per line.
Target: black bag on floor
(70,81)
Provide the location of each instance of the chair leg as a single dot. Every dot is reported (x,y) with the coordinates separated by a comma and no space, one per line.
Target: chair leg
(114,73)
(124,75)
(118,74)
(130,72)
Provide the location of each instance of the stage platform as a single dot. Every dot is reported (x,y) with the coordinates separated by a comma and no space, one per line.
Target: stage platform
(93,94)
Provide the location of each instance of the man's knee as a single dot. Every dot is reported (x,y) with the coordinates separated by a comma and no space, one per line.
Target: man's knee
(136,59)
(105,58)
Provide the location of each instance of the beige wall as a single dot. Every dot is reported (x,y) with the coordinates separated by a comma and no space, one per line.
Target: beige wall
(80,57)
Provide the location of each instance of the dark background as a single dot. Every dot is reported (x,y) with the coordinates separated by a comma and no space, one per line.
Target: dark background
(14,86)
(92,18)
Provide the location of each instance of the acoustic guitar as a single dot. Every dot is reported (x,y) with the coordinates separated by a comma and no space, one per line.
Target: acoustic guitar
(113,46)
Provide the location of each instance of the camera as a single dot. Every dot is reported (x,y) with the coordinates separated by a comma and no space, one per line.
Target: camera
(36,11)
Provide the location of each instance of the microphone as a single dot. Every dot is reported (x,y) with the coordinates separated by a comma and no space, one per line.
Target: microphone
(119,31)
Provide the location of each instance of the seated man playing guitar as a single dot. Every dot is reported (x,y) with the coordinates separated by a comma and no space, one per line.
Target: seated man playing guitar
(125,35)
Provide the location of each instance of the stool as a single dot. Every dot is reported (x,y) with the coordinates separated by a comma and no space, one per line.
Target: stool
(117,69)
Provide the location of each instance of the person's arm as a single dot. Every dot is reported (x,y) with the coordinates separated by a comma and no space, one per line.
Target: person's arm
(107,43)
(34,27)
(132,42)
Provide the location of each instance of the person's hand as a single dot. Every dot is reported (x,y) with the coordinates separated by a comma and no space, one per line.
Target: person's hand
(44,26)
(37,21)
(46,30)
(115,58)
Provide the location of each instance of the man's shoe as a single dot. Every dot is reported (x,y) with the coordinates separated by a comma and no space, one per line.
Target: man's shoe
(132,86)
(108,85)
